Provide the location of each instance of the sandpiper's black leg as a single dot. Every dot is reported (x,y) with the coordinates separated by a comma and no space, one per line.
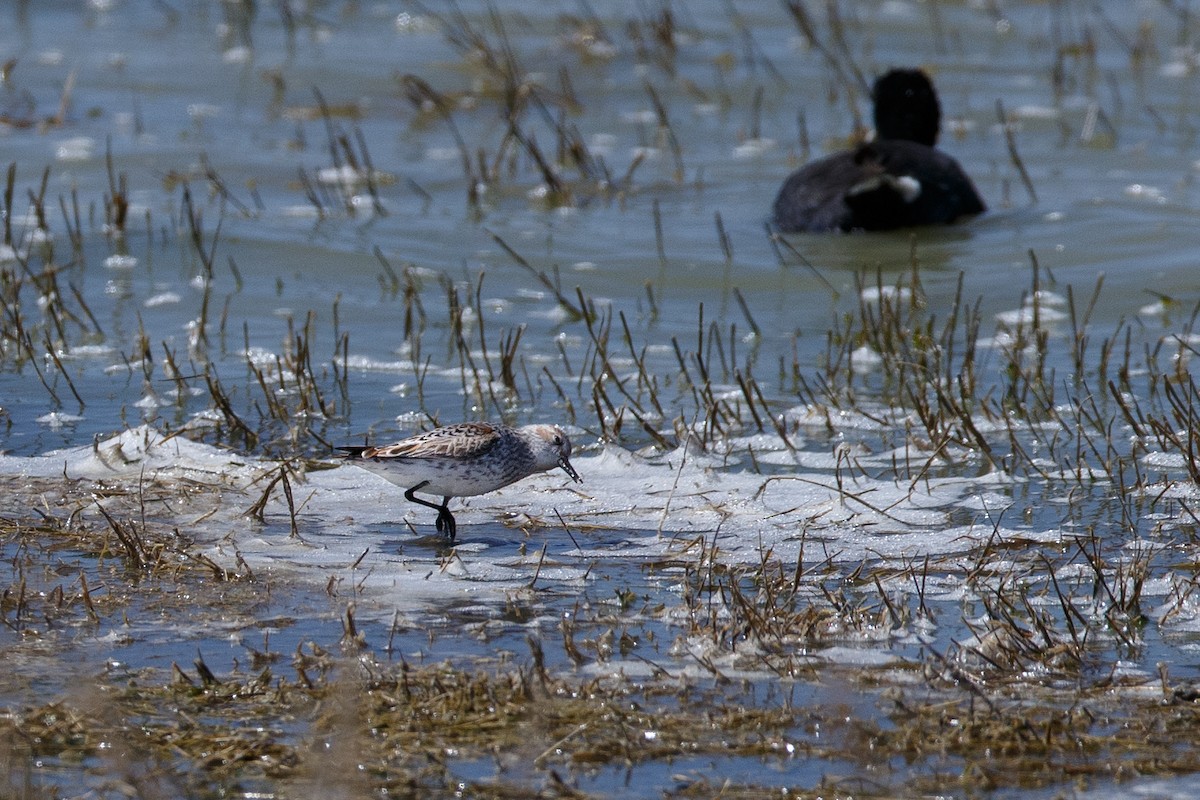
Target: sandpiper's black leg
(445,520)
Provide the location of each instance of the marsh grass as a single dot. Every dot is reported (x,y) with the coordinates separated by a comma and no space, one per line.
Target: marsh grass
(732,674)
(953,392)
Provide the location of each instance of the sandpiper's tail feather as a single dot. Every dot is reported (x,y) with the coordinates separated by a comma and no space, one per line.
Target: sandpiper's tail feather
(351,452)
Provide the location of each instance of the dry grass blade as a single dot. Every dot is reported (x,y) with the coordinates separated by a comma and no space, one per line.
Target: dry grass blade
(575,311)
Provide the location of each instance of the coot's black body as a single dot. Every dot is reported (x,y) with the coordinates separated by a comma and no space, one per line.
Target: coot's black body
(899,180)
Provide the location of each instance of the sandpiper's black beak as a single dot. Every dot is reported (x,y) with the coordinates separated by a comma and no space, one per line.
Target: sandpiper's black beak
(567,468)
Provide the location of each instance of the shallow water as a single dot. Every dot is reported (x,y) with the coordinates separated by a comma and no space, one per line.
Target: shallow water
(1102,112)
(1119,208)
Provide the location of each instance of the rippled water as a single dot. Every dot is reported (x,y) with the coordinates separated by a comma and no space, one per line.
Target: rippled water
(227,101)
(1118,204)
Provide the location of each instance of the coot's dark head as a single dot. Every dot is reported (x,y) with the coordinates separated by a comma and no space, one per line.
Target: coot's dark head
(906,107)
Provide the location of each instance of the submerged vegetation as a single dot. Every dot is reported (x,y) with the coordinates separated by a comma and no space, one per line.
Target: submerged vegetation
(1019,658)
(735,669)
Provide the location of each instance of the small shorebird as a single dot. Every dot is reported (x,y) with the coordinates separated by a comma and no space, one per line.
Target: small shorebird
(464,460)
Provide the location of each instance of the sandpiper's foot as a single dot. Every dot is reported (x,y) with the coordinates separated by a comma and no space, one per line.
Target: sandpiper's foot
(445,523)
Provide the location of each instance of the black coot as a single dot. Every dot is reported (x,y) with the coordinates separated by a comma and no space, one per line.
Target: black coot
(898,180)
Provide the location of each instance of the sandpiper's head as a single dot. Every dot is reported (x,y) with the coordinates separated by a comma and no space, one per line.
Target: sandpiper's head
(552,448)
(906,107)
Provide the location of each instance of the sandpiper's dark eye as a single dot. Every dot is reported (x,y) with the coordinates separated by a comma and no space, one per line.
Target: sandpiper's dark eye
(558,441)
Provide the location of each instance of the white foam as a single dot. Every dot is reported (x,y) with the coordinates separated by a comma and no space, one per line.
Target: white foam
(162,299)
(118,261)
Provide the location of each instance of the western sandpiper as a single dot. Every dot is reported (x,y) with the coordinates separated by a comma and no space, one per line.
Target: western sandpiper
(464,460)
